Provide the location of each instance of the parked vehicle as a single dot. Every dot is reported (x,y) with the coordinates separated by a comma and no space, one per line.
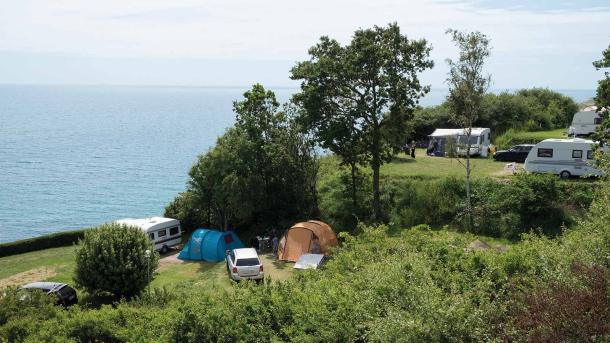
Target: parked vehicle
(442,141)
(517,153)
(66,295)
(163,232)
(563,157)
(244,264)
(584,122)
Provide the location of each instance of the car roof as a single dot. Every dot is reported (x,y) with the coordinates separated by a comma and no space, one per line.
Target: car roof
(525,145)
(245,253)
(47,286)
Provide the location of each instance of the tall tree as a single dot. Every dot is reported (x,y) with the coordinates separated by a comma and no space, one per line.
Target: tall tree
(602,101)
(467,86)
(352,94)
(262,171)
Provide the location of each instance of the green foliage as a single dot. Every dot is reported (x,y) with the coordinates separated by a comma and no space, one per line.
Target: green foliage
(357,98)
(525,110)
(558,108)
(112,260)
(53,240)
(513,137)
(185,208)
(261,173)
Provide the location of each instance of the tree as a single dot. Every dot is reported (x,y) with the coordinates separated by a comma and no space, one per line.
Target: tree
(112,259)
(602,101)
(353,96)
(467,86)
(261,173)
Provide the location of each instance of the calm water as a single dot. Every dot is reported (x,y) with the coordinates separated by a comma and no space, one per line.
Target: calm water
(76,156)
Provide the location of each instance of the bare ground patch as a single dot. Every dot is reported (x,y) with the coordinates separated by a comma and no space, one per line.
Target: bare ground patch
(28,276)
(169,260)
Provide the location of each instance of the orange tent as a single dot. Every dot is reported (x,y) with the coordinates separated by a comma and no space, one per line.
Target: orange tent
(298,240)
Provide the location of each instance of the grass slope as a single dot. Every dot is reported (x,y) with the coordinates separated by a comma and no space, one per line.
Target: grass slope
(57,264)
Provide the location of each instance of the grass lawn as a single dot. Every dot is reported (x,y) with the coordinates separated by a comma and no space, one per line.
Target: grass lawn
(424,166)
(57,264)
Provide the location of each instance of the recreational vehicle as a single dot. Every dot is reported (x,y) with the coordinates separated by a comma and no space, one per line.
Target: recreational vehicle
(443,141)
(162,232)
(585,122)
(563,157)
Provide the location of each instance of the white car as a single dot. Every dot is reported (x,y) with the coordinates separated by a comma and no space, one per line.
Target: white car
(244,264)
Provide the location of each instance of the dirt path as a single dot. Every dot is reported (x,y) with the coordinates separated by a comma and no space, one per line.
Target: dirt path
(168,260)
(28,276)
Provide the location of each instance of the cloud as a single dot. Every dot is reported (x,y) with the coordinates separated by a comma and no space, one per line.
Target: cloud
(536,6)
(532,45)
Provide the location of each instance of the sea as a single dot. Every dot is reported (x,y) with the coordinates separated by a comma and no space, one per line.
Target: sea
(78,156)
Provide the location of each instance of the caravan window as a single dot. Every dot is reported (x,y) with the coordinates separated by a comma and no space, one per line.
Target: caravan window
(173,231)
(161,233)
(589,154)
(597,121)
(151,236)
(545,152)
(576,153)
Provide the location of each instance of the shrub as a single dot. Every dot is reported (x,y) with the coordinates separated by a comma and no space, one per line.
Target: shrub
(54,240)
(567,311)
(112,260)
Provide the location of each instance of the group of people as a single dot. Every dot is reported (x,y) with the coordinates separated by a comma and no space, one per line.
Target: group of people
(272,239)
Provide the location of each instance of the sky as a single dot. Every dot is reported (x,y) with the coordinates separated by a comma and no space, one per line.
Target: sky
(241,42)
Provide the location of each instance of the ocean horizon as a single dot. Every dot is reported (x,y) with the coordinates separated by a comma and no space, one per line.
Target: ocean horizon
(78,156)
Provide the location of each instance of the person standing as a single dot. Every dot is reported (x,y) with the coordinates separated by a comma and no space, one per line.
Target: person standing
(412,149)
(274,244)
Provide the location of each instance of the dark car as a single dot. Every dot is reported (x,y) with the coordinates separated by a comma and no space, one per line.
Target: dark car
(518,153)
(65,294)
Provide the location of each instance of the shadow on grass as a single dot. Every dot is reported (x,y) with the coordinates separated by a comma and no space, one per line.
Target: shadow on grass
(403,159)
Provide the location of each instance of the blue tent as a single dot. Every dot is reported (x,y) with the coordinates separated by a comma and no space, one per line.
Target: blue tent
(209,245)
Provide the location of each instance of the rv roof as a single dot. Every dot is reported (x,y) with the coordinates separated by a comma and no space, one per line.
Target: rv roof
(476,131)
(145,223)
(569,140)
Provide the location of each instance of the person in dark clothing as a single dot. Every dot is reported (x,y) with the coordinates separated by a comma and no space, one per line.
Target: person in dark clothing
(413,149)
(254,243)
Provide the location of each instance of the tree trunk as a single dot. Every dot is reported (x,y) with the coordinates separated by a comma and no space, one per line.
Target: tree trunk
(354,200)
(468,196)
(376,193)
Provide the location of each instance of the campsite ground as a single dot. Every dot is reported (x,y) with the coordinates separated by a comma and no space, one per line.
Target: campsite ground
(57,264)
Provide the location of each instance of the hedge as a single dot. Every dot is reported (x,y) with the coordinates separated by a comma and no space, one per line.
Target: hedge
(54,240)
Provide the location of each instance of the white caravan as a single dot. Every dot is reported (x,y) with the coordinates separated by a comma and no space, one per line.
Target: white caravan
(440,141)
(163,232)
(563,157)
(584,122)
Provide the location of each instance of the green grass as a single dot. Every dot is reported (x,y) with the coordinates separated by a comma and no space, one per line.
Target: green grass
(557,133)
(424,166)
(57,264)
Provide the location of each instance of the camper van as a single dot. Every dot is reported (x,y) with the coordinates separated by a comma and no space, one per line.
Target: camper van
(441,141)
(563,157)
(584,122)
(162,232)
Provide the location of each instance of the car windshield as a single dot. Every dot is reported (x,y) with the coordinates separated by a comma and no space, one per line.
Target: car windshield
(65,291)
(242,262)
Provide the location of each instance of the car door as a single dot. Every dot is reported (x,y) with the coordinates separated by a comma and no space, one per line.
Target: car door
(230,260)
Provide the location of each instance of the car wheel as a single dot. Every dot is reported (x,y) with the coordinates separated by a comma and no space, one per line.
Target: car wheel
(164,249)
(565,174)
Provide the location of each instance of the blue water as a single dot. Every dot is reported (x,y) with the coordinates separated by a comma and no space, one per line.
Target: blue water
(77,156)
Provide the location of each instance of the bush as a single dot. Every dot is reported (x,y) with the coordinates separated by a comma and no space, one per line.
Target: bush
(563,311)
(54,240)
(111,260)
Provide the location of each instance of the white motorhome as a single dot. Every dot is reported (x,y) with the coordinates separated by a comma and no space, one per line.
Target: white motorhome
(162,232)
(584,122)
(563,157)
(441,139)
